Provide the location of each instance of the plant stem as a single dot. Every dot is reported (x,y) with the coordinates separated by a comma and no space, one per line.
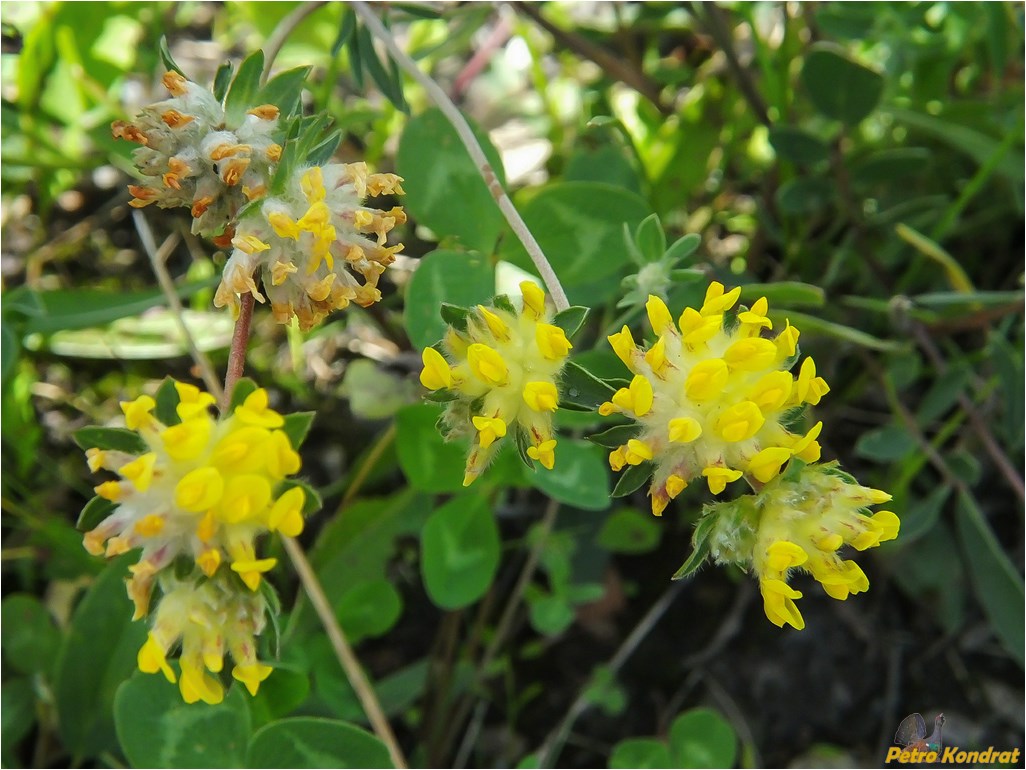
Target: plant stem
(362,687)
(237,354)
(158,259)
(466,136)
(549,752)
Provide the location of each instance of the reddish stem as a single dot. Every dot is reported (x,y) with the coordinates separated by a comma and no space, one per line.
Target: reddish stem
(237,354)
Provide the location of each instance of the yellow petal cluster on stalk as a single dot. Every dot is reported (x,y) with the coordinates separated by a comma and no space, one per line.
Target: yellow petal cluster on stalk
(309,244)
(800,523)
(710,395)
(194,503)
(502,370)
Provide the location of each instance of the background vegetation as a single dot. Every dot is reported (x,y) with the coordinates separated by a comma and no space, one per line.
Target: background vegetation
(860,164)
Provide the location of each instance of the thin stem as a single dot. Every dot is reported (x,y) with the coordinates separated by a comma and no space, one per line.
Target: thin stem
(237,354)
(549,752)
(354,672)
(158,259)
(466,136)
(281,33)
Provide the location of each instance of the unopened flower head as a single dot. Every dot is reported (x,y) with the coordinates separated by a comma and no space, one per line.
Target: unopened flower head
(501,368)
(309,244)
(801,521)
(194,501)
(710,394)
(191,158)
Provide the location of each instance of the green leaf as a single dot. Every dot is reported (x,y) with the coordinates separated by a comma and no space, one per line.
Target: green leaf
(17,715)
(787,293)
(285,690)
(64,309)
(996,581)
(284,90)
(702,738)
(640,753)
(242,93)
(345,30)
(891,166)
(798,146)
(222,79)
(571,319)
(28,635)
(580,476)
(9,350)
(455,316)
(607,163)
(805,195)
(321,152)
(429,462)
(582,389)
(579,226)
(165,56)
(838,87)
(923,514)
(98,653)
(313,742)
(628,530)
(387,81)
(243,389)
(943,393)
(94,512)
(650,238)
(297,426)
(156,728)
(699,548)
(977,145)
(632,478)
(683,247)
(369,609)
(118,439)
(809,323)
(550,614)
(616,436)
(890,442)
(460,551)
(444,278)
(167,399)
(444,189)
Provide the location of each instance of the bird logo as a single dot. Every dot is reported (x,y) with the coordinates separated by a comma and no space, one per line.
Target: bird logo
(912,733)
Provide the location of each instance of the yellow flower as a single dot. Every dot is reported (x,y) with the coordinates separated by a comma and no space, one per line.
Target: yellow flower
(199,496)
(799,523)
(311,245)
(710,395)
(501,366)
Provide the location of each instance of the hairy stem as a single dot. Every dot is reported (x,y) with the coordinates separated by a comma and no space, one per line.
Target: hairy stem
(466,136)
(344,652)
(237,353)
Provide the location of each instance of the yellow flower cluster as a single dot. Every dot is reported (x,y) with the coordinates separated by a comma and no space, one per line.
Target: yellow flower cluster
(195,160)
(501,369)
(801,523)
(709,396)
(197,498)
(308,243)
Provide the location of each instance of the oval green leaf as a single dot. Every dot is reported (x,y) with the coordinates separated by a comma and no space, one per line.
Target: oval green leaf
(459,552)
(449,277)
(838,87)
(702,738)
(579,478)
(310,742)
(444,189)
